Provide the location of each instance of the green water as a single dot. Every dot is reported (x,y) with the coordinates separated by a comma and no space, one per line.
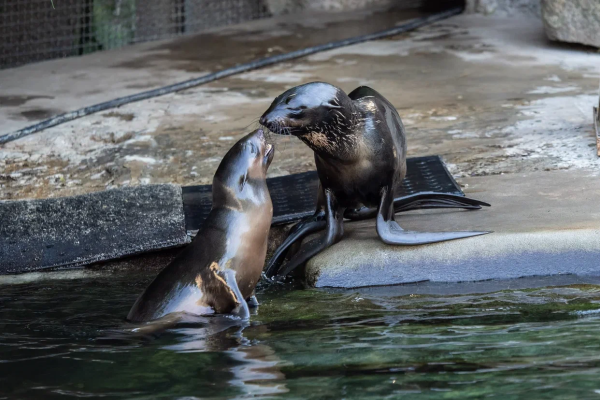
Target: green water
(57,340)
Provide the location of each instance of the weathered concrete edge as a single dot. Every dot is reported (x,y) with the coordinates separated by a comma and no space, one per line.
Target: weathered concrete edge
(494,256)
(169,233)
(127,252)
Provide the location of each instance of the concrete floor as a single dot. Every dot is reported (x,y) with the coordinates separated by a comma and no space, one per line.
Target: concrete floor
(500,103)
(543,223)
(490,95)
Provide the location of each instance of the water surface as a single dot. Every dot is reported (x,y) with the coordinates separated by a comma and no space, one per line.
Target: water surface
(60,339)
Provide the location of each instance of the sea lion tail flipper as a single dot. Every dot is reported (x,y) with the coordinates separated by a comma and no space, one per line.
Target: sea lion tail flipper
(391,233)
(302,229)
(427,200)
(241,310)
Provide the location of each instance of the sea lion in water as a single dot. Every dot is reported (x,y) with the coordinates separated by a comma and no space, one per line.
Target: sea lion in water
(218,271)
(360,153)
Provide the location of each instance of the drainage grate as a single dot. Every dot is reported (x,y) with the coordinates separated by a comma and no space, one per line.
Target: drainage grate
(294,196)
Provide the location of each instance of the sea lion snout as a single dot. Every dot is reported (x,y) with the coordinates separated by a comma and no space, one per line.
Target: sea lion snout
(266,148)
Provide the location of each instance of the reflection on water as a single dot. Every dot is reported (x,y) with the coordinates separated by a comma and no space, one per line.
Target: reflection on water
(68,338)
(258,373)
(255,367)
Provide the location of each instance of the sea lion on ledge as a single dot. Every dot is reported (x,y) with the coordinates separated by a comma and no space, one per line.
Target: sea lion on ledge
(360,154)
(218,271)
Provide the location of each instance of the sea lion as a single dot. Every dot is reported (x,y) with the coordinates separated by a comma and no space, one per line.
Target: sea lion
(218,271)
(360,154)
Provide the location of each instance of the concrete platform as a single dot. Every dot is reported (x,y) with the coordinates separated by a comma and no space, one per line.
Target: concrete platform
(543,223)
(509,111)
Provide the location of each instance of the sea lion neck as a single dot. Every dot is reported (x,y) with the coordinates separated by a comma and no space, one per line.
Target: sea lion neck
(337,136)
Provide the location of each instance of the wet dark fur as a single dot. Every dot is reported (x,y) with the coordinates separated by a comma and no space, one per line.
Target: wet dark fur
(364,142)
(360,154)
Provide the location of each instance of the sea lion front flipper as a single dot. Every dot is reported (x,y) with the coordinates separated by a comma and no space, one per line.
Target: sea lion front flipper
(391,233)
(242,309)
(252,301)
(301,230)
(333,233)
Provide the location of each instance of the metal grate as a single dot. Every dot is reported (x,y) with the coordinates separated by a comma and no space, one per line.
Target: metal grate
(35,30)
(294,196)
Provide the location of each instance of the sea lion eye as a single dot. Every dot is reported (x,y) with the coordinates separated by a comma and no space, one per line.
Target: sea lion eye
(289,98)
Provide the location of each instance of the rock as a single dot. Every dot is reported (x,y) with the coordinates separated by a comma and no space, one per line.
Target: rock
(503,7)
(278,7)
(574,21)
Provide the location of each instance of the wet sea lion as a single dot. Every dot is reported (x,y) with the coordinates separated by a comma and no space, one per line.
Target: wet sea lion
(360,153)
(218,271)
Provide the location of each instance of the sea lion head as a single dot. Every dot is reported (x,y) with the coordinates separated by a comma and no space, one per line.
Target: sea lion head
(242,172)
(318,113)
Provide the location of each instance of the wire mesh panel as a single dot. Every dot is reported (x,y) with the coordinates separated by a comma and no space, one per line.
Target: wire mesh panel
(34,30)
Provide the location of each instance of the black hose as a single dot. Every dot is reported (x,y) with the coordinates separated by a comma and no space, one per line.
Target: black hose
(70,116)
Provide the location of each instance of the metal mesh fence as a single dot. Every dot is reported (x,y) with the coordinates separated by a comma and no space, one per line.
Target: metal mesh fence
(35,30)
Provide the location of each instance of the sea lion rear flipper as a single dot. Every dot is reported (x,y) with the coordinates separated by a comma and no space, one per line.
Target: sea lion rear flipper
(425,200)
(420,201)
(242,309)
(333,233)
(391,233)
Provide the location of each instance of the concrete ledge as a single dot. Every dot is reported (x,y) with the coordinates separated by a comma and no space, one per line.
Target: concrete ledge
(545,223)
(72,231)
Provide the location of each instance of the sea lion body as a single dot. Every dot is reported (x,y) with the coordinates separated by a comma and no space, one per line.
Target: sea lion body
(360,154)
(380,158)
(219,270)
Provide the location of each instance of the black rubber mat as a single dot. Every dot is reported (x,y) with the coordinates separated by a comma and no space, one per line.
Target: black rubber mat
(294,196)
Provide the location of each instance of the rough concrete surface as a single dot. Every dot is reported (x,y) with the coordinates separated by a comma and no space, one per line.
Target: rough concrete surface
(543,223)
(71,231)
(491,95)
(574,21)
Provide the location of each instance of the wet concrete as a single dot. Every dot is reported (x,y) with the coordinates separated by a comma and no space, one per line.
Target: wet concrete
(67,84)
(491,95)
